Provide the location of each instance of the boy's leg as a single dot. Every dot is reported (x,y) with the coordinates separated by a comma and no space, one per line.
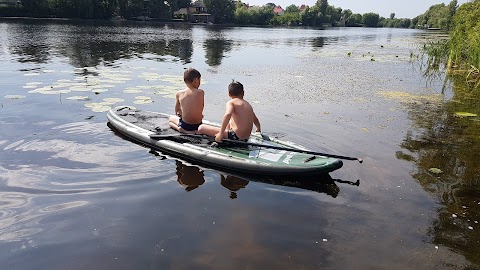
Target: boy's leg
(173,122)
(208,130)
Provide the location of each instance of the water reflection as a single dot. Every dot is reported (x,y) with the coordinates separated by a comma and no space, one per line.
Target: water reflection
(443,140)
(318,42)
(233,184)
(216,46)
(88,45)
(191,177)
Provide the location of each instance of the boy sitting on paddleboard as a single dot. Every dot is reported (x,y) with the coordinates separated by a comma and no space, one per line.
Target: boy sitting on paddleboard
(189,104)
(238,120)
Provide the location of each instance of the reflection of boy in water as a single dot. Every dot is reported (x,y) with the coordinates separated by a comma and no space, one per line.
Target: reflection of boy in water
(189,177)
(238,120)
(233,184)
(189,104)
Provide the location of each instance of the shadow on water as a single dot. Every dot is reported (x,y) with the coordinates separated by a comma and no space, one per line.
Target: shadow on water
(444,144)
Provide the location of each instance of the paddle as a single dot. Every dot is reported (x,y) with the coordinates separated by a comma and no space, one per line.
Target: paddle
(161,136)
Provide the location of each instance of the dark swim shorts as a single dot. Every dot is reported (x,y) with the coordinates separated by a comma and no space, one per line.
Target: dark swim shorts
(233,136)
(188,127)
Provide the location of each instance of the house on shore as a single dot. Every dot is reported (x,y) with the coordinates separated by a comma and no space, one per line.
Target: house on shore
(196,13)
(278,10)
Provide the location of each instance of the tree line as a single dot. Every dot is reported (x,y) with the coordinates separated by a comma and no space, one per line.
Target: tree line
(231,12)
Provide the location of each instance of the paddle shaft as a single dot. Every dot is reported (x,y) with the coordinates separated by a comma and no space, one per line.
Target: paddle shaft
(159,136)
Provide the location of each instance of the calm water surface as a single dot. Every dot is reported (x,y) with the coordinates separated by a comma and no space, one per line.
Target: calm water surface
(74,195)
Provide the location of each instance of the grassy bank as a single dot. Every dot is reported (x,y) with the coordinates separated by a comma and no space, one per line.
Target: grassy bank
(464,44)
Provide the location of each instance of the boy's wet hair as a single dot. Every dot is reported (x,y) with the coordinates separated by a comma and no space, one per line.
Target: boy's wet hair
(190,74)
(235,89)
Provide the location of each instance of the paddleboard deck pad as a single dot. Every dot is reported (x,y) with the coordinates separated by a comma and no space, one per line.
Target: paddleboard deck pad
(139,125)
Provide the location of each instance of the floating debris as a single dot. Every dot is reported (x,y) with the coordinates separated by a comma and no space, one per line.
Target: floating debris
(465,114)
(453,215)
(435,170)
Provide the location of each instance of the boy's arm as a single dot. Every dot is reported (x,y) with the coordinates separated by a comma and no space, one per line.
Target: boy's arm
(178,109)
(225,121)
(257,123)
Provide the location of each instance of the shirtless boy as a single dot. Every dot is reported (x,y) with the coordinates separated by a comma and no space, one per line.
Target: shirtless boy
(188,104)
(238,120)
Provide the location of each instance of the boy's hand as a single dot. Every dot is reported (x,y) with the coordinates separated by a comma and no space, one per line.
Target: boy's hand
(219,137)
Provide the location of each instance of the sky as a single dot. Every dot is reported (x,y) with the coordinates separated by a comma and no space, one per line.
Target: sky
(401,8)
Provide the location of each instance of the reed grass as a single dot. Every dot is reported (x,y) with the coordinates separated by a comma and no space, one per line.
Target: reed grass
(464,42)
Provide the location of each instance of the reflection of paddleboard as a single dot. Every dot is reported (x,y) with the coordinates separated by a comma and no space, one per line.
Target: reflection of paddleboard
(138,125)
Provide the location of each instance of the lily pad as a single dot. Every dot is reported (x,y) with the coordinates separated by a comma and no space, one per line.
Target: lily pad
(435,170)
(122,106)
(132,91)
(78,98)
(465,114)
(113,100)
(143,101)
(14,96)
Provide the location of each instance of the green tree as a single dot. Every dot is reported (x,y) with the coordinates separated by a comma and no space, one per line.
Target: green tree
(392,16)
(333,15)
(354,20)
(183,3)
(322,5)
(310,16)
(292,9)
(222,10)
(371,19)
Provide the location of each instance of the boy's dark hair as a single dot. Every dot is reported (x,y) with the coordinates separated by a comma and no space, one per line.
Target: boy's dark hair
(235,89)
(190,74)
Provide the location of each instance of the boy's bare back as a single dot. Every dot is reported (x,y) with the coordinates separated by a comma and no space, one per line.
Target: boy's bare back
(189,104)
(191,101)
(242,117)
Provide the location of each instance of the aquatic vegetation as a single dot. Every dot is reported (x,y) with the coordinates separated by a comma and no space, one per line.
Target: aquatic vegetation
(465,114)
(143,100)
(78,98)
(465,40)
(14,96)
(411,98)
(460,54)
(435,170)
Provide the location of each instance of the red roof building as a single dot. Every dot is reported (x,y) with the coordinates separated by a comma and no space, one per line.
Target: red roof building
(278,10)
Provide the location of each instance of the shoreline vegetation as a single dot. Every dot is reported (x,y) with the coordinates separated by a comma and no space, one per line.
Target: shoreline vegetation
(223,12)
(460,53)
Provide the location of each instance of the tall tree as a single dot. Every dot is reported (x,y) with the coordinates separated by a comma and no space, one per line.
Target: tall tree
(292,9)
(322,5)
(183,3)
(392,16)
(222,10)
(371,19)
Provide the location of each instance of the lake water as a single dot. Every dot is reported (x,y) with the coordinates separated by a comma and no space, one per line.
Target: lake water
(74,195)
